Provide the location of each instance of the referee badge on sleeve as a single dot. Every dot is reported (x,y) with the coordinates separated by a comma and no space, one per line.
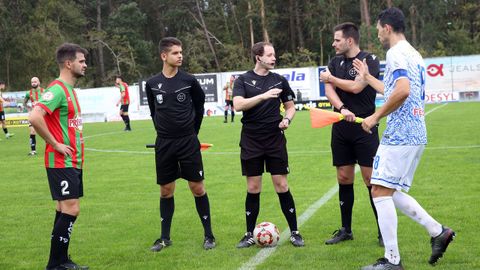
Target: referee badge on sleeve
(159,98)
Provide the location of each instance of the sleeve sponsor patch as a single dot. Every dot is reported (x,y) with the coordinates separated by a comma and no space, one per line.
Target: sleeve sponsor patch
(48,96)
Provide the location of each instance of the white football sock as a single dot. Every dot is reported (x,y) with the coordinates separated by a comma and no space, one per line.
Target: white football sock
(387,221)
(410,207)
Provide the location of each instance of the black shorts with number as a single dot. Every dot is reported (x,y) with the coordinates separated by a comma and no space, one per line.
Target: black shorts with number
(124,108)
(229,102)
(178,157)
(351,144)
(65,183)
(2,115)
(264,151)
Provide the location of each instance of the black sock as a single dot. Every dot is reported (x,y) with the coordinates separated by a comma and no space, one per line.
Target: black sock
(33,142)
(203,209)
(226,115)
(5,130)
(60,240)
(346,197)
(127,121)
(233,115)
(123,119)
(57,216)
(252,208)
(373,208)
(167,207)
(288,209)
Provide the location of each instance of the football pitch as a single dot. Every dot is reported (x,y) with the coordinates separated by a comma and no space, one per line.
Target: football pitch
(119,217)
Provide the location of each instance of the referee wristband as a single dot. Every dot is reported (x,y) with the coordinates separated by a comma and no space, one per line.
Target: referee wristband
(289,120)
(343,107)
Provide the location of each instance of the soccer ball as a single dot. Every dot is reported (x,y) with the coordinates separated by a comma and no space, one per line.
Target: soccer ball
(266,234)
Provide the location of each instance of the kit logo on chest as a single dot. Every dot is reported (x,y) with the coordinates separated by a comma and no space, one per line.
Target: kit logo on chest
(352,72)
(181,97)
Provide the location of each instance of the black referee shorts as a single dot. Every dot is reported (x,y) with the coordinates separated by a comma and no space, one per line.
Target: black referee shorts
(2,115)
(264,151)
(65,183)
(124,108)
(178,158)
(351,144)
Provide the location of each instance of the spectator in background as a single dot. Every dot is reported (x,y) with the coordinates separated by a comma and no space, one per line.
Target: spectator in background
(299,95)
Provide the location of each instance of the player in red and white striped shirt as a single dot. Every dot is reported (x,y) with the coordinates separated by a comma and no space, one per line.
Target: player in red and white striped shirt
(57,119)
(124,101)
(2,113)
(33,95)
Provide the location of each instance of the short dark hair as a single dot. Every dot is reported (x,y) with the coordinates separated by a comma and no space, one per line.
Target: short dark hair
(258,49)
(168,42)
(68,51)
(119,77)
(349,30)
(2,82)
(394,17)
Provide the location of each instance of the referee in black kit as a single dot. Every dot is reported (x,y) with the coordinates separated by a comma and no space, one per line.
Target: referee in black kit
(350,143)
(176,104)
(259,93)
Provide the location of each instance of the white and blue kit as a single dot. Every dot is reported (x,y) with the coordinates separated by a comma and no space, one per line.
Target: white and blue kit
(405,136)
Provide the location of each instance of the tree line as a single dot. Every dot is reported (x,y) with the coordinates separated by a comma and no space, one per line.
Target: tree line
(122,36)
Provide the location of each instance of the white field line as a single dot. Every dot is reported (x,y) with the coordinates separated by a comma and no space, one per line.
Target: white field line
(436,108)
(102,134)
(290,153)
(264,253)
(238,152)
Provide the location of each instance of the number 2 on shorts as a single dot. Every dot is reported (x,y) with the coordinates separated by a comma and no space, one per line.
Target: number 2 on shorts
(64,185)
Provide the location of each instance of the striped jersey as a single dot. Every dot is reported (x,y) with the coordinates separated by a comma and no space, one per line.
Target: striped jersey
(406,125)
(64,121)
(124,88)
(34,95)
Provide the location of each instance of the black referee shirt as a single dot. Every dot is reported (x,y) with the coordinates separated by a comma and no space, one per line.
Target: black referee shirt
(265,116)
(176,104)
(363,103)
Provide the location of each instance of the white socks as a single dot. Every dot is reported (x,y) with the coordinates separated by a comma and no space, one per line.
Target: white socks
(387,221)
(410,207)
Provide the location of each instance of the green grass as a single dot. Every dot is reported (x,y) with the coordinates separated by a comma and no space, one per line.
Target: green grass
(119,217)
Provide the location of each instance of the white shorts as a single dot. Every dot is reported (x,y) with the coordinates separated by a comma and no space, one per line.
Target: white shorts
(394,165)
